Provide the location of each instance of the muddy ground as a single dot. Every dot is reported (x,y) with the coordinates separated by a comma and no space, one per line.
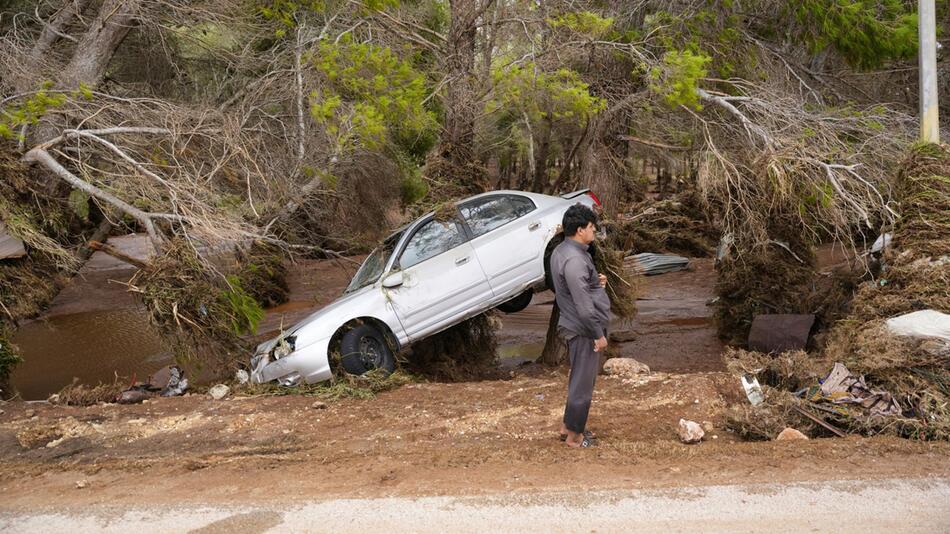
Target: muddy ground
(436,438)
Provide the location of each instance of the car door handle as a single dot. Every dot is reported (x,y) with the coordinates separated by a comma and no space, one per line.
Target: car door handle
(534,226)
(461,261)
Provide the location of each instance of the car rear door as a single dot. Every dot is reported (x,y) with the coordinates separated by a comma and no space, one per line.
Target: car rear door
(508,237)
(442,279)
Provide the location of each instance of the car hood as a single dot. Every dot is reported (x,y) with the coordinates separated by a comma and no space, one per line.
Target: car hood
(323,322)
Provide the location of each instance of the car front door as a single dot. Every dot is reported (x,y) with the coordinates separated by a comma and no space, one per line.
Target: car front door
(508,241)
(441,279)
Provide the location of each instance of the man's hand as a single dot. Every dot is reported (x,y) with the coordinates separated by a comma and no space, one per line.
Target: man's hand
(603,280)
(600,344)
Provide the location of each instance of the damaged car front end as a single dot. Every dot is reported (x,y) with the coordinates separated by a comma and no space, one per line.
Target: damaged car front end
(302,354)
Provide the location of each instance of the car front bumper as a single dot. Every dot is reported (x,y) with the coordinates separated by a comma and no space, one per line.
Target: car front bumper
(309,364)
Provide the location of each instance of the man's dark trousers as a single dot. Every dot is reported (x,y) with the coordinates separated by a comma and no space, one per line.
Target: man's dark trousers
(580,387)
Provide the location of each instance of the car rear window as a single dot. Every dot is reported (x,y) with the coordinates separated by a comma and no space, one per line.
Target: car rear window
(487,213)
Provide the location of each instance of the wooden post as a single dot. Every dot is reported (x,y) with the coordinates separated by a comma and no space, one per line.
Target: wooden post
(929,118)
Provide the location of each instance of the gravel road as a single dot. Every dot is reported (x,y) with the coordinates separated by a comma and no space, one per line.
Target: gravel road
(843,506)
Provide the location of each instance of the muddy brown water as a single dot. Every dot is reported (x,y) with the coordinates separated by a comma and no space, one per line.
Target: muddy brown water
(93,347)
(103,333)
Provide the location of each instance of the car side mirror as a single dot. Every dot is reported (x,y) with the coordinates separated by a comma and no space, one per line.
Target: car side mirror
(393,280)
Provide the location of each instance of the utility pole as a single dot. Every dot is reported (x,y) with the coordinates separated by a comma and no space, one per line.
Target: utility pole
(929,120)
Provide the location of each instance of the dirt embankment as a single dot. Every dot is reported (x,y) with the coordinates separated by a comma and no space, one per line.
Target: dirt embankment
(422,439)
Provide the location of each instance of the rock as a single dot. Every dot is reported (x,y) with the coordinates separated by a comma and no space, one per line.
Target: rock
(219,391)
(132,396)
(790,434)
(625,367)
(81,484)
(29,413)
(622,336)
(241,376)
(319,405)
(690,431)
(53,399)
(708,426)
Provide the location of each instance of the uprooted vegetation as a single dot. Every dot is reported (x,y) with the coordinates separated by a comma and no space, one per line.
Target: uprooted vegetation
(203,311)
(915,371)
(465,351)
(678,225)
(341,386)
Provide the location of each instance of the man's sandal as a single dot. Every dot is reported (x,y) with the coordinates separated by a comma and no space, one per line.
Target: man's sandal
(586,444)
(587,435)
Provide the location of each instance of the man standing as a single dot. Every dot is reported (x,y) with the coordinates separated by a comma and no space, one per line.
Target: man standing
(585,312)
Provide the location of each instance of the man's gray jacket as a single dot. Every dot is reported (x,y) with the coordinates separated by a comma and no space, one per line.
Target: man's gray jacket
(584,305)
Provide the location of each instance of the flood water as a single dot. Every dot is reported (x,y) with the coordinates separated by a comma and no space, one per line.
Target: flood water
(91,346)
(511,356)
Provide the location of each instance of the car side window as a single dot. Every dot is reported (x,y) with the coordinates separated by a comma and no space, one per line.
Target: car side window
(432,239)
(485,214)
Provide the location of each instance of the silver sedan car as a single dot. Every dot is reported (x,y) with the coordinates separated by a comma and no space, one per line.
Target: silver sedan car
(429,275)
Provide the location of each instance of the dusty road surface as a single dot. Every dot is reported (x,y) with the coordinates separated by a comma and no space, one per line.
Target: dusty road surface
(484,452)
(885,506)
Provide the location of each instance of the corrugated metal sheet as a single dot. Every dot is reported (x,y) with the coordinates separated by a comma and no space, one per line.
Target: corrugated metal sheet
(650,264)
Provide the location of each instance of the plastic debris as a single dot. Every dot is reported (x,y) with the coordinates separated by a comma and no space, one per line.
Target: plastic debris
(882,242)
(924,323)
(843,387)
(752,390)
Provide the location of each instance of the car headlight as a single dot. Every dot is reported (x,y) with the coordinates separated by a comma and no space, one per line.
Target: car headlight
(284,347)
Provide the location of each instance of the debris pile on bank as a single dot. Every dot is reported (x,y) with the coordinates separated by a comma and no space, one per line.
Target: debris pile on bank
(870,379)
(678,225)
(203,313)
(462,352)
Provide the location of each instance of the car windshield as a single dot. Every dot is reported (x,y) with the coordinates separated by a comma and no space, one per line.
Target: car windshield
(374,264)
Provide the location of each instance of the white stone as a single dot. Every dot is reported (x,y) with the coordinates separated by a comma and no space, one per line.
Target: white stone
(625,367)
(790,434)
(690,431)
(219,392)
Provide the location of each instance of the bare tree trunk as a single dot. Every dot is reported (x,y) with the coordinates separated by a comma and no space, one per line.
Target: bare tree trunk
(554,353)
(541,159)
(90,60)
(55,28)
(459,130)
(298,78)
(99,43)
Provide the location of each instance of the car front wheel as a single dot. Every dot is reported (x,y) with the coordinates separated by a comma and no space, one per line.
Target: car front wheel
(364,349)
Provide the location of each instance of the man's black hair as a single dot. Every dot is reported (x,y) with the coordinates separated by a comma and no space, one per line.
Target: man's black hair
(577,217)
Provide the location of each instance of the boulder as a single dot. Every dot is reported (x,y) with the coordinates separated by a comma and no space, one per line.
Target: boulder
(625,367)
(690,431)
(790,434)
(219,391)
(132,396)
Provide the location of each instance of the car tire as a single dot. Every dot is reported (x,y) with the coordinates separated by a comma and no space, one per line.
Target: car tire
(364,349)
(555,241)
(518,303)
